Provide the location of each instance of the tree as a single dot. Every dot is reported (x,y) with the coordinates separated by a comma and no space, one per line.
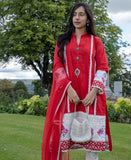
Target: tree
(20,90)
(20,85)
(6,87)
(29,29)
(6,91)
(110,34)
(37,86)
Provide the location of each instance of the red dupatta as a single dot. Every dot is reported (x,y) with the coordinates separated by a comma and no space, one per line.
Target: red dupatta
(55,111)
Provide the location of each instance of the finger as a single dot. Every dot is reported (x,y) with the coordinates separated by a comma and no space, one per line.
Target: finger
(76,101)
(87,103)
(71,101)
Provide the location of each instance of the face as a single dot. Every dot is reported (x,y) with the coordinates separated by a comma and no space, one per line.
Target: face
(79,18)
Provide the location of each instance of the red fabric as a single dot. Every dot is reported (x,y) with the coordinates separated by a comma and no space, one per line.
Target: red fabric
(61,80)
(52,128)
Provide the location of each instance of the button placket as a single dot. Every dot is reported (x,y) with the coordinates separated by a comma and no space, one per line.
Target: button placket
(77,71)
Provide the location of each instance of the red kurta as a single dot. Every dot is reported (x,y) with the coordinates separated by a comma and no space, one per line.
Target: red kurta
(85,66)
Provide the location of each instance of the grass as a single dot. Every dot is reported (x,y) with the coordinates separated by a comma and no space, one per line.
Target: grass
(21,137)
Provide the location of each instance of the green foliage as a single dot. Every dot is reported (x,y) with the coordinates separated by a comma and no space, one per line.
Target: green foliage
(36,105)
(4,99)
(20,85)
(37,87)
(120,111)
(30,30)
(20,90)
(6,105)
(10,93)
(124,109)
(10,108)
(6,91)
(112,114)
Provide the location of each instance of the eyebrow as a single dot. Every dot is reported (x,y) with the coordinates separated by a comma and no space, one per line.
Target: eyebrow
(80,12)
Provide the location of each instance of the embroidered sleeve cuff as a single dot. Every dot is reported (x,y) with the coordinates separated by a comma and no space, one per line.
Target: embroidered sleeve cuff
(98,85)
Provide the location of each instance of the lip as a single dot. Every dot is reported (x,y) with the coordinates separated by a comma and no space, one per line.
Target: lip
(77,22)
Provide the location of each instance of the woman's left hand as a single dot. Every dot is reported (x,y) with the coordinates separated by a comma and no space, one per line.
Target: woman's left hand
(90,97)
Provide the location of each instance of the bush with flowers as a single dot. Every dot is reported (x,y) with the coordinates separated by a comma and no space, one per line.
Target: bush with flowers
(120,111)
(36,105)
(123,109)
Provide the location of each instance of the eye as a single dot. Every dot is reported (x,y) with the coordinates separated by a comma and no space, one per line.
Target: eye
(82,14)
(74,14)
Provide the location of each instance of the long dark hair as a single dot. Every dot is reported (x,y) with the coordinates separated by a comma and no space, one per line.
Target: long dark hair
(63,39)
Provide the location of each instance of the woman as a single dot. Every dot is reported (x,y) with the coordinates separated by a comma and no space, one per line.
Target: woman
(79,76)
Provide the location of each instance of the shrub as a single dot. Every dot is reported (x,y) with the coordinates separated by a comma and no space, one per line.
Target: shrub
(4,99)
(8,109)
(112,114)
(123,109)
(120,111)
(36,105)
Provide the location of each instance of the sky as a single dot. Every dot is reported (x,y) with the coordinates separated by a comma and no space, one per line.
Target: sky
(118,10)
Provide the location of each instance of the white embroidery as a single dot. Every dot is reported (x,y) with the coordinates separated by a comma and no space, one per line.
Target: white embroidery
(90,69)
(66,61)
(97,124)
(95,105)
(90,63)
(68,104)
(100,80)
(101,76)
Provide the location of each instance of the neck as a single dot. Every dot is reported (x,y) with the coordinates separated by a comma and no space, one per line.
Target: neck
(79,32)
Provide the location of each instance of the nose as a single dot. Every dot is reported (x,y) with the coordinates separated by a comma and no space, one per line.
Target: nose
(77,16)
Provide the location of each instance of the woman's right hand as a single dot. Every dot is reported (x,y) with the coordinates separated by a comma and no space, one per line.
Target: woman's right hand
(73,96)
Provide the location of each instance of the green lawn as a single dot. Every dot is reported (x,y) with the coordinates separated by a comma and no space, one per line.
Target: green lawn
(21,137)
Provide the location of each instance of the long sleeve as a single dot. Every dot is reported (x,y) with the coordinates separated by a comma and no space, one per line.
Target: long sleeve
(59,73)
(101,66)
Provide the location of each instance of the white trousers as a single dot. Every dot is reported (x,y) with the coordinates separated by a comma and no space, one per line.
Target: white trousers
(91,155)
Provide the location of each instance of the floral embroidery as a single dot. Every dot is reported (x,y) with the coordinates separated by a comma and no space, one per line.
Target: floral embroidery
(59,74)
(99,85)
(103,79)
(101,133)
(92,131)
(98,142)
(64,131)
